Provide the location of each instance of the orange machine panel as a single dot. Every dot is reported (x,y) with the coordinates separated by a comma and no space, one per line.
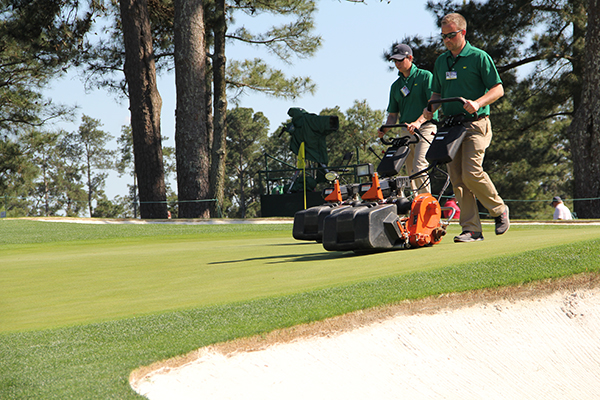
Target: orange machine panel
(424,221)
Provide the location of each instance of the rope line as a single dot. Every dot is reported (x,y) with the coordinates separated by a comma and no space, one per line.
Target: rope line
(218,206)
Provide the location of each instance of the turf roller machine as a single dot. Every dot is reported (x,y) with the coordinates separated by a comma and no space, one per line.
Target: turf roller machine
(358,197)
(377,215)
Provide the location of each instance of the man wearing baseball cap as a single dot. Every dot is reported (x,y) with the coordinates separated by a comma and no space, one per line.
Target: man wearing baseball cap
(560,210)
(408,97)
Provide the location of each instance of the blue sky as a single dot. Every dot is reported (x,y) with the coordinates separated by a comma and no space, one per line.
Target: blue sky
(348,67)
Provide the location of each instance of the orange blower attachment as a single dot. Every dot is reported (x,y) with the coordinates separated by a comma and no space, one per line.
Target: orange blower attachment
(423,224)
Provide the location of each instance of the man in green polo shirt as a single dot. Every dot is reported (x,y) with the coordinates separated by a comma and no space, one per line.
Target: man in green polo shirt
(468,72)
(408,96)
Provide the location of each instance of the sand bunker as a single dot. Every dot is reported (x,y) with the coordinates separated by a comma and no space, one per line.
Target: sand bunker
(531,347)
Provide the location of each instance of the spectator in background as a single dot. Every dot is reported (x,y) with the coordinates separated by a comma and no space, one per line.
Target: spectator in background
(560,210)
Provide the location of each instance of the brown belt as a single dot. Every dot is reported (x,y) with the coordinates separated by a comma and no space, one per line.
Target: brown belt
(478,118)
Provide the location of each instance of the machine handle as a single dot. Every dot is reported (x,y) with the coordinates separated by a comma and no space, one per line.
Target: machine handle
(448,100)
(389,142)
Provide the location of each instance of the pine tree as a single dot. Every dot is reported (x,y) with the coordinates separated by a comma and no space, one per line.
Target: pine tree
(191,135)
(286,40)
(584,132)
(145,105)
(37,40)
(247,131)
(88,147)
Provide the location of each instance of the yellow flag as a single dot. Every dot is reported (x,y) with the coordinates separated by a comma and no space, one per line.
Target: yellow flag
(302,164)
(301,157)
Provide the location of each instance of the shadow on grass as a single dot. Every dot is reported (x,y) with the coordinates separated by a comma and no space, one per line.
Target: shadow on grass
(285,258)
(320,256)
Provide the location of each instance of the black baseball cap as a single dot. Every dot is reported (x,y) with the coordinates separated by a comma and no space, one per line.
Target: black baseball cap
(556,199)
(400,52)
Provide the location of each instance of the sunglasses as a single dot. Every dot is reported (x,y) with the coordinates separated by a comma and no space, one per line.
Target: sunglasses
(450,35)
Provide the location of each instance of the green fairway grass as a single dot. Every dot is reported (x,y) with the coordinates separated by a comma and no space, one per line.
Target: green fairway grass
(83,305)
(104,272)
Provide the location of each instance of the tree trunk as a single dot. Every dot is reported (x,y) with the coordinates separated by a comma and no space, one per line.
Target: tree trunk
(89,182)
(584,132)
(191,136)
(145,105)
(218,149)
(577,58)
(242,192)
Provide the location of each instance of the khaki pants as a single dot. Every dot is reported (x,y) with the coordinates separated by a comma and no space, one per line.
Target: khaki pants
(416,161)
(468,179)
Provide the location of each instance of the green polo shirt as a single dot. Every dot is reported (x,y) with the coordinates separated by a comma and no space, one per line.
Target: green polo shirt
(411,103)
(470,75)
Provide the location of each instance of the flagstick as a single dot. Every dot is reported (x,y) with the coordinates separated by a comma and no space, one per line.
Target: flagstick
(304,185)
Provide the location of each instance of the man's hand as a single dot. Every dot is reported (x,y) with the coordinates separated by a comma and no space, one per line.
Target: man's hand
(471,106)
(412,126)
(391,120)
(427,114)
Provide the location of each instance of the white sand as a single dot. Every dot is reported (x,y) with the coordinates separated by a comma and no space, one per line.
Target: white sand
(540,348)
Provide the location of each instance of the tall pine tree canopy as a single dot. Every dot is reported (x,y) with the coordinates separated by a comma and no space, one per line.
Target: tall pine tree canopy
(289,36)
(38,38)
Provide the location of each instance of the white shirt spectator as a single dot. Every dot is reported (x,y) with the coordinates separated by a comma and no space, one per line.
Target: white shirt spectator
(562,212)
